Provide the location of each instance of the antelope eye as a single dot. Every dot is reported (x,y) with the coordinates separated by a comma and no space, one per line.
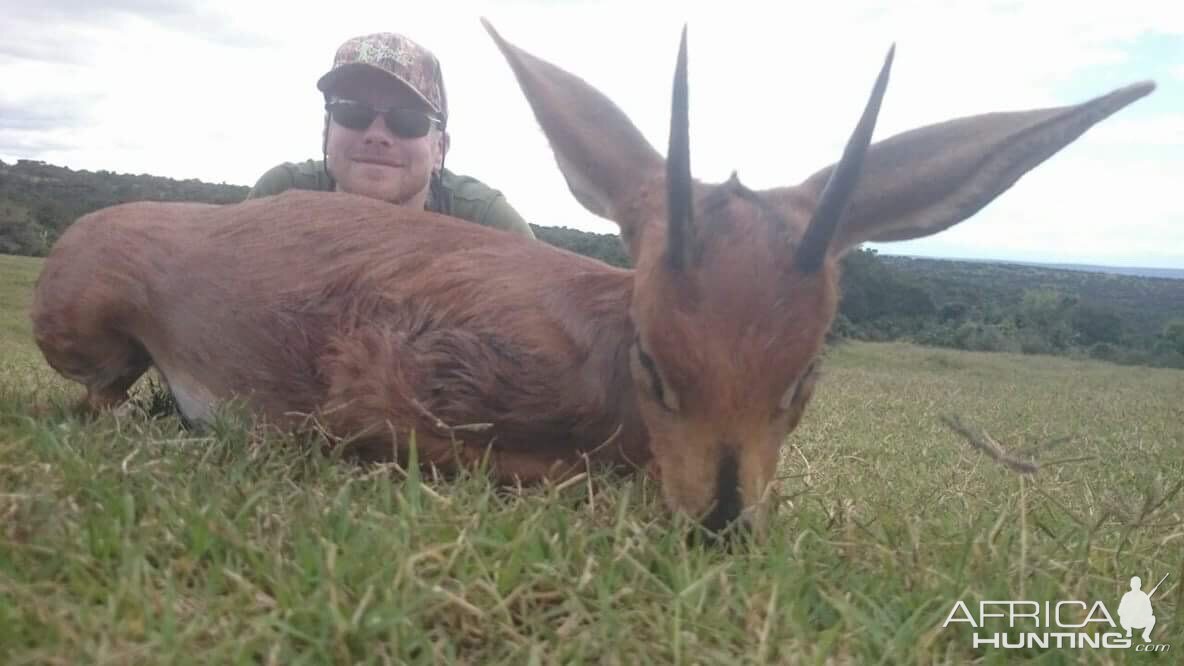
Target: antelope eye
(795,389)
(661,392)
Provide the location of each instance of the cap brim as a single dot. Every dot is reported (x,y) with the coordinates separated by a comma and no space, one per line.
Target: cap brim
(329,80)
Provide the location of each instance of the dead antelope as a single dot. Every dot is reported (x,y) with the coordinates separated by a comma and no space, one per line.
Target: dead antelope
(378,320)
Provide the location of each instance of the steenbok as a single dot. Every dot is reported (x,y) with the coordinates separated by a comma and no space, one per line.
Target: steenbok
(377,320)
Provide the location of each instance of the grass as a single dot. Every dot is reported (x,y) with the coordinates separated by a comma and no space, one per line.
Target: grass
(133,541)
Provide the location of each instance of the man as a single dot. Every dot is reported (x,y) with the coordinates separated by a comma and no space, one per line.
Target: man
(386,136)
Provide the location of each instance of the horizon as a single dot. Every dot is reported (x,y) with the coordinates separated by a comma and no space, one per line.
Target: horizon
(127,89)
(1050,264)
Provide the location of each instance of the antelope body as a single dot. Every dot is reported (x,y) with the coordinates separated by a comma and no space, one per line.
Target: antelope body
(378,320)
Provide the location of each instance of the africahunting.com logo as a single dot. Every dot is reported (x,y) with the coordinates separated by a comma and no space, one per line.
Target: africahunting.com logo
(1063,624)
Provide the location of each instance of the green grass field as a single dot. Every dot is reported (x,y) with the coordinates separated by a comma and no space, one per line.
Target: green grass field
(133,541)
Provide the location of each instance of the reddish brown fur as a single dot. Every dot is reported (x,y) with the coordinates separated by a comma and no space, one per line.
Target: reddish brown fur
(379,321)
(377,316)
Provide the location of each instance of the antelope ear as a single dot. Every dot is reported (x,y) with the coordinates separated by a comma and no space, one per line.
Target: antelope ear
(603,156)
(926,180)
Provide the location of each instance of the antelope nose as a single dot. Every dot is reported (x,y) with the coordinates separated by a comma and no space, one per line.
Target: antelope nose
(728,504)
(730,535)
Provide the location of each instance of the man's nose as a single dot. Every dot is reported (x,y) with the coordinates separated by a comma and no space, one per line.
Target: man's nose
(378,132)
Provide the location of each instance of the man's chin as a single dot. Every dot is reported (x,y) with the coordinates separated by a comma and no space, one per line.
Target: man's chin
(375,189)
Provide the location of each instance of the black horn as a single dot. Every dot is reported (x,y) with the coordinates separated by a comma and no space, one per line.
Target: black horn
(833,202)
(678,168)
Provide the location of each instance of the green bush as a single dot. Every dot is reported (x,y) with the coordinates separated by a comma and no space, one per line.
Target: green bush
(1094,324)
(1103,351)
(1173,335)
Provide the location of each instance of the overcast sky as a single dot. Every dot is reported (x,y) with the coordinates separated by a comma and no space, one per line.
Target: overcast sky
(222,90)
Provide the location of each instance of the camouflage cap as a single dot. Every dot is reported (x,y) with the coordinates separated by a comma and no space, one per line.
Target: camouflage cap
(396,55)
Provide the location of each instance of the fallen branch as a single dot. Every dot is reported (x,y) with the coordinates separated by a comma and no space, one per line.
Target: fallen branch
(983,442)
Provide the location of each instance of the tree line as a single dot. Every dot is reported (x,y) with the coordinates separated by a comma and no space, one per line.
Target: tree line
(1015,308)
(38,200)
(963,305)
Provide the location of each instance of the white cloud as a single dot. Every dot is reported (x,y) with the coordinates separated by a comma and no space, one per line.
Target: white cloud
(226,92)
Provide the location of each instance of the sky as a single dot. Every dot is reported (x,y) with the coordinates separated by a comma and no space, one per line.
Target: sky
(222,90)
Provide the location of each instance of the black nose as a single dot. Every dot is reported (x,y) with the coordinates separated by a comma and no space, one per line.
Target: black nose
(727,496)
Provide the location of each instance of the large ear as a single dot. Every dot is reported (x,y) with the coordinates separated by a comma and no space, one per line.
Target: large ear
(603,156)
(926,180)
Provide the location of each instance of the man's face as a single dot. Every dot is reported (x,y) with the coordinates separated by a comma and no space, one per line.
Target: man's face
(374,161)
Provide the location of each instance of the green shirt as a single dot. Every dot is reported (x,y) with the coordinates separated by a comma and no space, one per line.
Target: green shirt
(459,196)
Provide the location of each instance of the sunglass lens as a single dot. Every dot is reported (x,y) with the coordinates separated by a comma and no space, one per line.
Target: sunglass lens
(408,123)
(352,116)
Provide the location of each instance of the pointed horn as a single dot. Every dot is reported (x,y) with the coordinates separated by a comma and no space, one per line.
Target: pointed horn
(843,180)
(680,231)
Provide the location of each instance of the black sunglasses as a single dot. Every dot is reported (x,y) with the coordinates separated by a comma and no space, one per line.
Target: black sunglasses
(402,122)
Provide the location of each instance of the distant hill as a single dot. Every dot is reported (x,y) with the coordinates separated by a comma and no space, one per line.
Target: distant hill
(1145,303)
(1135,271)
(1020,307)
(39,200)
